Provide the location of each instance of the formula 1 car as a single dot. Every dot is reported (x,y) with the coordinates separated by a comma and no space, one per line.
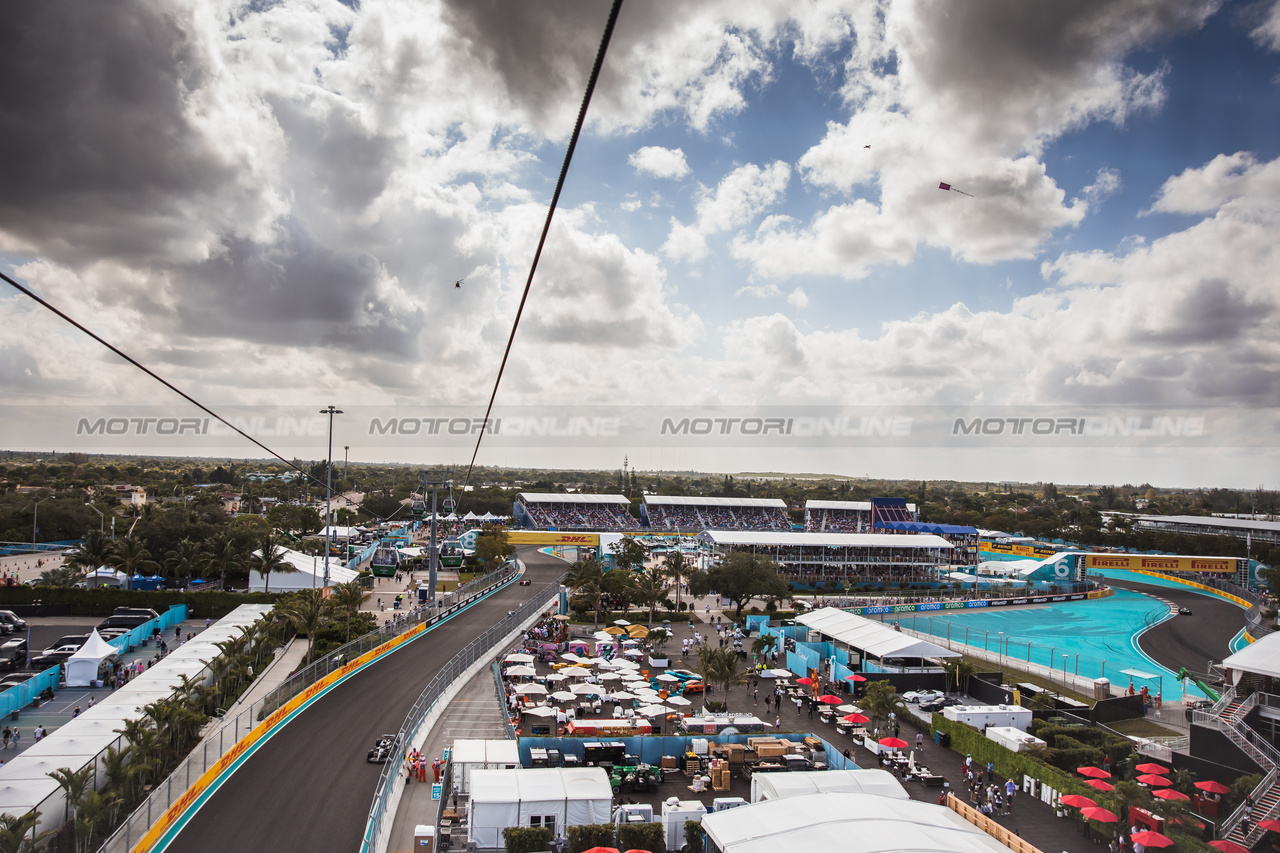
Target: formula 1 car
(381,752)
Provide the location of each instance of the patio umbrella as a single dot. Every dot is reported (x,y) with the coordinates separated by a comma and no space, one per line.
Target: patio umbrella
(638,631)
(893,742)
(610,676)
(1228,847)
(615,631)
(1152,768)
(652,710)
(622,696)
(1093,772)
(1077,801)
(805,681)
(531,690)
(1212,787)
(624,664)
(855,718)
(555,676)
(518,657)
(1269,825)
(1099,785)
(576,671)
(564,696)
(587,690)
(540,711)
(1154,781)
(1152,839)
(634,653)
(621,622)
(1169,794)
(678,700)
(828,699)
(854,678)
(521,669)
(571,657)
(602,850)
(1099,814)
(560,618)
(666,676)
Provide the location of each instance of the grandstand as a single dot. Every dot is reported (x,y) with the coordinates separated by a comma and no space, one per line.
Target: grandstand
(671,512)
(551,511)
(856,516)
(860,556)
(964,538)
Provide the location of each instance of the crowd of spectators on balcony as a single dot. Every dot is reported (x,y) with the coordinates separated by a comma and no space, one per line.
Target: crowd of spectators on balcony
(576,515)
(838,521)
(666,517)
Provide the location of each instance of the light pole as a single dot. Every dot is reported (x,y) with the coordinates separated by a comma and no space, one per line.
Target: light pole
(328,491)
(102,519)
(35,514)
(345,449)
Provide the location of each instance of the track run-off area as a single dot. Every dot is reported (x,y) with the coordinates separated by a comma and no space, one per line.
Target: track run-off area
(308,787)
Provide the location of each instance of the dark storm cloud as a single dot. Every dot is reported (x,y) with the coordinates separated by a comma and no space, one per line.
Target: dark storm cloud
(347,165)
(97,151)
(294,292)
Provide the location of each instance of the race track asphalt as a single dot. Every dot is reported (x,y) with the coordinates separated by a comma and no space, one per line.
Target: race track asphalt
(1190,641)
(309,786)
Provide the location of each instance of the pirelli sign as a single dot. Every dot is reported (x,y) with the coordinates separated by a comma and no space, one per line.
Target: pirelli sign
(1151,563)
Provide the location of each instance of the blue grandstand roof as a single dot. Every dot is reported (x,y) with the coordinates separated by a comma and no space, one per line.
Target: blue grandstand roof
(926,527)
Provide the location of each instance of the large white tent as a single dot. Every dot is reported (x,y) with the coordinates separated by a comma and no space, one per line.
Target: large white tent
(1260,658)
(470,755)
(873,638)
(777,786)
(308,574)
(825,823)
(83,666)
(568,796)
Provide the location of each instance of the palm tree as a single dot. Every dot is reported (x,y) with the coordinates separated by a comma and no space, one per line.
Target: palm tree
(763,646)
(73,784)
(648,590)
(305,610)
(184,560)
(15,833)
(586,578)
(95,810)
(221,554)
(94,551)
(724,669)
(270,557)
(675,568)
(132,557)
(346,598)
(880,699)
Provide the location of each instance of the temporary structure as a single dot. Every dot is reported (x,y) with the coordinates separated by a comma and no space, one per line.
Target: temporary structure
(84,665)
(559,797)
(469,755)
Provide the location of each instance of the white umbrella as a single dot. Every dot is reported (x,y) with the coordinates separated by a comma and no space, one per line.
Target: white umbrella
(652,710)
(630,642)
(605,638)
(564,696)
(632,675)
(570,656)
(540,711)
(849,709)
(588,689)
(678,700)
(666,676)
(521,669)
(621,623)
(610,676)
(634,653)
(622,696)
(555,676)
(650,695)
(580,671)
(518,657)
(777,673)
(911,763)
(624,664)
(531,689)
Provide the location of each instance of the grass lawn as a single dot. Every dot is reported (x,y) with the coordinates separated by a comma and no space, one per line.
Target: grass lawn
(1014,676)
(1142,728)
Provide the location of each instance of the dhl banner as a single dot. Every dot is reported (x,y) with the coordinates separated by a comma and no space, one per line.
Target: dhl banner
(538,537)
(1015,549)
(1149,563)
(196,793)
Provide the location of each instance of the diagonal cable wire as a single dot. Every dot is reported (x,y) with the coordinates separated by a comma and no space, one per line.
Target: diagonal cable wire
(157,377)
(546,226)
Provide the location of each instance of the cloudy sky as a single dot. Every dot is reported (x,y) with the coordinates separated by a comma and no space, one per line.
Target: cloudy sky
(269,203)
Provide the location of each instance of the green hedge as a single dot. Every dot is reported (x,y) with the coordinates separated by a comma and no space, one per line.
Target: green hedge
(693,836)
(1012,765)
(104,600)
(590,835)
(526,839)
(642,836)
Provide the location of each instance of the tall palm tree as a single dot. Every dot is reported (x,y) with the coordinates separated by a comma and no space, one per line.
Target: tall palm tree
(96,809)
(132,557)
(184,561)
(222,553)
(306,611)
(763,646)
(586,578)
(270,557)
(648,590)
(724,669)
(15,833)
(73,784)
(346,598)
(94,551)
(675,567)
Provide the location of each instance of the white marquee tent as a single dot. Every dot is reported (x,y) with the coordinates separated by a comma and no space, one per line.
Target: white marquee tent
(308,574)
(777,786)
(83,666)
(567,796)
(470,755)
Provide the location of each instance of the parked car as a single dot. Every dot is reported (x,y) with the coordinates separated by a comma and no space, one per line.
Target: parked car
(13,655)
(11,622)
(55,655)
(136,611)
(115,626)
(914,696)
(76,640)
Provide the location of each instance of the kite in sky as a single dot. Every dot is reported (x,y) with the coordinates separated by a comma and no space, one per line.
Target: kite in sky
(949,188)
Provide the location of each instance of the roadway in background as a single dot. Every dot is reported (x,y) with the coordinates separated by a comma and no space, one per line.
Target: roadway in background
(1190,641)
(309,787)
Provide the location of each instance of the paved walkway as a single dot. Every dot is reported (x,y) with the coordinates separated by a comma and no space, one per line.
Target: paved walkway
(474,713)
(281,667)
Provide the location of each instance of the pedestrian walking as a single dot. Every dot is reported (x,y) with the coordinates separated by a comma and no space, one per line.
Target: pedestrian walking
(17,738)
(991,771)
(7,734)
(919,740)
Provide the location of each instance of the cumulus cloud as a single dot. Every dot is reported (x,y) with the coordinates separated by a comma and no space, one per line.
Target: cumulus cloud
(1267,33)
(740,196)
(659,162)
(1222,179)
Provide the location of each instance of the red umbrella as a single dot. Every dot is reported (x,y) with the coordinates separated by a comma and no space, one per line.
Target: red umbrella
(893,742)
(828,699)
(1078,801)
(1152,839)
(601,850)
(1154,781)
(1098,784)
(805,681)
(1093,772)
(854,678)
(1152,768)
(855,718)
(1271,825)
(1213,787)
(1098,813)
(1228,847)
(1169,794)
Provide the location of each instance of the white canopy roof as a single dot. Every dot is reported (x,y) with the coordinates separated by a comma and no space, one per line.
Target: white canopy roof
(776,786)
(874,638)
(470,751)
(554,498)
(829,540)
(309,573)
(1260,658)
(691,500)
(82,667)
(826,822)
(848,506)
(538,785)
